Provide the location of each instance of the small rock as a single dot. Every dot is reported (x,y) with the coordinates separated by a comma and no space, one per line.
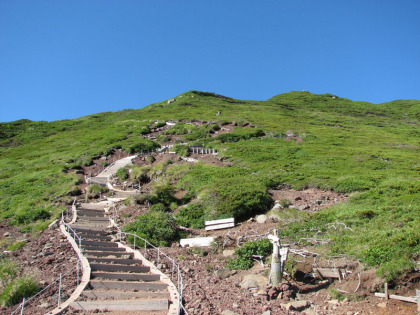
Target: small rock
(267,312)
(382,305)
(44,305)
(334,302)
(228,252)
(277,206)
(296,305)
(274,217)
(229,312)
(7,234)
(125,256)
(261,218)
(235,305)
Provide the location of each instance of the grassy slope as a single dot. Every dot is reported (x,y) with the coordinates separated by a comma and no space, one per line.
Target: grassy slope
(347,146)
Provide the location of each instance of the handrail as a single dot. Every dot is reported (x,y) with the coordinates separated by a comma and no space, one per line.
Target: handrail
(180,282)
(58,280)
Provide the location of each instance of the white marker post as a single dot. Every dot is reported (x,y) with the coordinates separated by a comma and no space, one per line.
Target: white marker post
(276,274)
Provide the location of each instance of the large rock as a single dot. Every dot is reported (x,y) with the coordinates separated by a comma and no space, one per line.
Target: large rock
(254,281)
(261,218)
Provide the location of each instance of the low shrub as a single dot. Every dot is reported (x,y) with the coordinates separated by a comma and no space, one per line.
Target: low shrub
(191,216)
(18,289)
(244,254)
(122,174)
(159,228)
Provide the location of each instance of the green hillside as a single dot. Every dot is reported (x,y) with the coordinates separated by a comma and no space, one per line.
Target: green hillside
(370,151)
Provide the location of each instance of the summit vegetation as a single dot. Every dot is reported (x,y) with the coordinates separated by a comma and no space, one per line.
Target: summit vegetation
(298,139)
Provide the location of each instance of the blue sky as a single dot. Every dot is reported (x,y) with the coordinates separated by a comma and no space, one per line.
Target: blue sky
(70,58)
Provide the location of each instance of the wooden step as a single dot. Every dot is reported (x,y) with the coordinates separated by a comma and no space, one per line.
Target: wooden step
(118,268)
(91,219)
(103,248)
(90,232)
(97,227)
(116,294)
(118,261)
(122,305)
(88,254)
(124,276)
(127,286)
(98,243)
(95,237)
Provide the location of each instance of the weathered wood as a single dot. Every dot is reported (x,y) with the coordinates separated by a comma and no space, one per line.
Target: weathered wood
(398,297)
(230,220)
(198,241)
(220,226)
(329,272)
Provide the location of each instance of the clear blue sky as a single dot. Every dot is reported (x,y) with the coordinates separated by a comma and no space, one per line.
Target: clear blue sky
(62,59)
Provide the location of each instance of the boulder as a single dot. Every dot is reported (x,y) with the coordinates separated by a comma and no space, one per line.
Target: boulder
(261,218)
(254,281)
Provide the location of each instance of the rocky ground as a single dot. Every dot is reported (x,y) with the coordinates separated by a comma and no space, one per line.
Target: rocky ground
(44,257)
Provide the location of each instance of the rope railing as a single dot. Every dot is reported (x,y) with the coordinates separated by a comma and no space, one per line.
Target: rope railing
(159,253)
(57,281)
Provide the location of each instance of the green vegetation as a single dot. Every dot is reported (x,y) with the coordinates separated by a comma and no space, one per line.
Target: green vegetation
(13,288)
(244,259)
(368,151)
(157,227)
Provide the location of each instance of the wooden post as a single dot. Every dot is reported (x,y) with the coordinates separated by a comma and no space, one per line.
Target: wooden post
(418,300)
(276,274)
(386,291)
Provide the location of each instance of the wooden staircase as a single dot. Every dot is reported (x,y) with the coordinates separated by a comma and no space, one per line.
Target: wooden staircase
(119,282)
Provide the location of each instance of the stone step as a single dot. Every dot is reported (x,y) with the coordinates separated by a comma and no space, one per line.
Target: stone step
(117,261)
(124,276)
(115,294)
(122,305)
(118,268)
(98,243)
(89,254)
(127,286)
(103,248)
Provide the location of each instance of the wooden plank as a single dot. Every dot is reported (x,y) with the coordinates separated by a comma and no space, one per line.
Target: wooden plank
(398,297)
(214,222)
(198,241)
(220,226)
(329,272)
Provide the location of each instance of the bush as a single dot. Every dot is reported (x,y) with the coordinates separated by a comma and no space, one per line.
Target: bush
(191,216)
(158,228)
(122,174)
(158,207)
(18,289)
(244,260)
(30,216)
